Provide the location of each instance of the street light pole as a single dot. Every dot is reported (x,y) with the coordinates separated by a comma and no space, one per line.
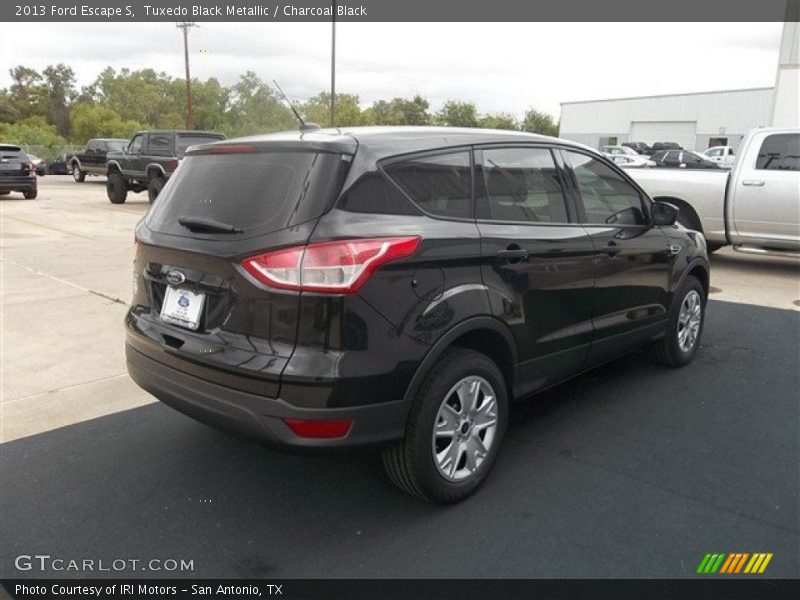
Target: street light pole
(333,65)
(185,25)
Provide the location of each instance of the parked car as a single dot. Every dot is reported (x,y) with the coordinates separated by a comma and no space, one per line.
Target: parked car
(92,161)
(626,157)
(38,164)
(17,172)
(148,161)
(724,156)
(349,286)
(754,206)
(639,147)
(682,159)
(59,165)
(656,147)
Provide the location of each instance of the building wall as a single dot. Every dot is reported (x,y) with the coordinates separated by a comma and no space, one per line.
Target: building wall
(717,114)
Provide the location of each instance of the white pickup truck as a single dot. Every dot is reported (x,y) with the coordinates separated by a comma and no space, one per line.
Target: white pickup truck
(755,207)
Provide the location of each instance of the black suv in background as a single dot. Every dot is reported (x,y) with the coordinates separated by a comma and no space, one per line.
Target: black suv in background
(148,160)
(683,159)
(401,286)
(17,172)
(92,161)
(639,147)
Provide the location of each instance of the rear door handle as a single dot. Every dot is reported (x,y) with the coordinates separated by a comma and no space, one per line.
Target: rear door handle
(611,249)
(753,182)
(513,253)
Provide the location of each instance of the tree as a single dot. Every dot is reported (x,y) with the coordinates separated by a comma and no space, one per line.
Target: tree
(255,108)
(99,121)
(398,111)
(539,122)
(33,131)
(29,94)
(60,81)
(347,111)
(458,114)
(499,121)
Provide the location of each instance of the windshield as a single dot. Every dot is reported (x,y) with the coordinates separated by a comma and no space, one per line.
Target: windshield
(255,192)
(116,145)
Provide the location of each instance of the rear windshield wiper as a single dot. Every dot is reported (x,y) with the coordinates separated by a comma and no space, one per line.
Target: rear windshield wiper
(206,224)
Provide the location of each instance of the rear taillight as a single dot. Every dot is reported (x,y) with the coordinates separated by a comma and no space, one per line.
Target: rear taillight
(32,168)
(233,149)
(339,267)
(329,428)
(173,164)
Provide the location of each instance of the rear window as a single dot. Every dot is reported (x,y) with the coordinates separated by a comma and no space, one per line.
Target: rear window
(780,152)
(11,152)
(184,141)
(116,145)
(257,193)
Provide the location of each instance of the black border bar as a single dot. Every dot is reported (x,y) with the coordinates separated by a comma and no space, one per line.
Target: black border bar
(400,10)
(728,588)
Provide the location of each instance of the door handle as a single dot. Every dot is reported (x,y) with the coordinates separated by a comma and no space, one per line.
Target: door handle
(513,252)
(611,249)
(753,182)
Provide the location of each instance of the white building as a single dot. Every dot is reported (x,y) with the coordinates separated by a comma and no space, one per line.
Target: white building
(695,121)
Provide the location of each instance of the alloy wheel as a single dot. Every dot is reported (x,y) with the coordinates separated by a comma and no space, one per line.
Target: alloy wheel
(689,320)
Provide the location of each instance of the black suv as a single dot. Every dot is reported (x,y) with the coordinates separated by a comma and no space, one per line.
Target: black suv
(639,147)
(148,160)
(401,286)
(17,172)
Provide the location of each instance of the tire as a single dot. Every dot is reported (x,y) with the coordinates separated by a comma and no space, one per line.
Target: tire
(31,193)
(78,175)
(116,188)
(4,193)
(411,464)
(154,187)
(673,350)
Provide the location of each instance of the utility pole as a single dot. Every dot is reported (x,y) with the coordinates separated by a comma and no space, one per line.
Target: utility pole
(185,25)
(333,65)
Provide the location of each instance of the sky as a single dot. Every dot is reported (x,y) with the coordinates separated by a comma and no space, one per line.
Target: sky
(502,67)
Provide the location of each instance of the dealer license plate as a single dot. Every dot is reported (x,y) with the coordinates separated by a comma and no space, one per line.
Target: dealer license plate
(182,307)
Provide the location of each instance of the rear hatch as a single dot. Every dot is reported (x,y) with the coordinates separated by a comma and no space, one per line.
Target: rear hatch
(183,141)
(15,167)
(195,307)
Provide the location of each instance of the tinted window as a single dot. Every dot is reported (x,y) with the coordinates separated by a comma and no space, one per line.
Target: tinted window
(690,159)
(372,193)
(258,193)
(522,185)
(780,152)
(184,141)
(440,185)
(159,142)
(607,198)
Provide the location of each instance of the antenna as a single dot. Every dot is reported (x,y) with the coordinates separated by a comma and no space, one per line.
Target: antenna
(303,125)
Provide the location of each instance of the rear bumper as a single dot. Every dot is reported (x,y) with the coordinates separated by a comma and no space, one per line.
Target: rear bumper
(16,184)
(261,417)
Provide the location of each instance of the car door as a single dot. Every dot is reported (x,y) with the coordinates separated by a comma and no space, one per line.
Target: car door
(765,203)
(133,159)
(537,262)
(632,260)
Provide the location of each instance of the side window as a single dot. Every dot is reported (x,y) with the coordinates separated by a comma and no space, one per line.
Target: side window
(135,146)
(689,158)
(522,184)
(439,184)
(607,198)
(780,152)
(159,142)
(372,193)
(715,152)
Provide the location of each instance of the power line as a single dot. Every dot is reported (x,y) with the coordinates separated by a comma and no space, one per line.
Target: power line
(185,25)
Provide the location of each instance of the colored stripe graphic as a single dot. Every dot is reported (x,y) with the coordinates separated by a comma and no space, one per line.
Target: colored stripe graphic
(717,563)
(734,563)
(702,566)
(727,564)
(741,562)
(764,564)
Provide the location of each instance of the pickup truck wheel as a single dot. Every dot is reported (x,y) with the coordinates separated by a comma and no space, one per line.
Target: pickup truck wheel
(116,188)
(154,187)
(684,327)
(31,193)
(78,175)
(454,430)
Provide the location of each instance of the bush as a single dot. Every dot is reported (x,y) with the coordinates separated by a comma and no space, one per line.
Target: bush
(33,131)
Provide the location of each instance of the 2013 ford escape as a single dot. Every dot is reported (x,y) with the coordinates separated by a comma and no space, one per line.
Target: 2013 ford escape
(401,286)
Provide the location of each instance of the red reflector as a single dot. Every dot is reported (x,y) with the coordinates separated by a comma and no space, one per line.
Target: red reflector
(320,429)
(233,149)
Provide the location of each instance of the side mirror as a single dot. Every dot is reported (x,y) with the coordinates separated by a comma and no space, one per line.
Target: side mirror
(663,214)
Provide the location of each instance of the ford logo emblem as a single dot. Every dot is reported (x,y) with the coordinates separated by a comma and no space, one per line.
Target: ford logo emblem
(175,277)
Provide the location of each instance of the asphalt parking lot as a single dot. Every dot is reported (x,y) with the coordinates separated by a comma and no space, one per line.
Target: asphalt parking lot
(629,471)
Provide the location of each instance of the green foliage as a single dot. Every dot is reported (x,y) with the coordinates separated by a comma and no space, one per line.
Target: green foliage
(347,110)
(33,131)
(538,122)
(255,108)
(399,111)
(458,114)
(499,121)
(99,121)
